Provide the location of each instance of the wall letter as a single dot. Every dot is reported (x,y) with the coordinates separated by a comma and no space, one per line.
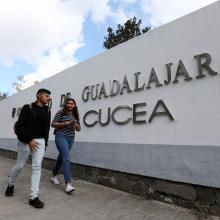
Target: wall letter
(204,65)
(136,114)
(120,108)
(102,91)
(63,98)
(168,65)
(164,113)
(125,86)
(13,112)
(108,117)
(153,78)
(85,94)
(137,88)
(181,71)
(50,103)
(96,91)
(85,116)
(113,92)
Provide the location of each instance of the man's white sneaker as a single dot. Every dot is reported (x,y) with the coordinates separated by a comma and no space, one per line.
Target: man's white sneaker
(54,180)
(69,188)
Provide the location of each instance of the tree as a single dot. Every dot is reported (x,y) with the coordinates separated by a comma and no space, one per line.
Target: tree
(18,85)
(130,29)
(3,95)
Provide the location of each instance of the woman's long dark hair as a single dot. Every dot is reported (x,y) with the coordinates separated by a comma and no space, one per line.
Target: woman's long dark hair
(75,109)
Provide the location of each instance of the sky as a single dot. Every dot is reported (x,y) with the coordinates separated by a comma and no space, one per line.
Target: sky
(40,38)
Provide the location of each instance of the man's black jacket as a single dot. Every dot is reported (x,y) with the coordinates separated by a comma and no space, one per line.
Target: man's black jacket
(26,123)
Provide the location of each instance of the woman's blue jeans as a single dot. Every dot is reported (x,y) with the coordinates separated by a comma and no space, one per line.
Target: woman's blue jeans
(64,144)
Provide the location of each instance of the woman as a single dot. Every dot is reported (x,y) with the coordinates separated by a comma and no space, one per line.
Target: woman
(65,122)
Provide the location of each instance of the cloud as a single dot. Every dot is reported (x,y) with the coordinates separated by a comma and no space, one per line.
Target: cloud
(56,60)
(124,10)
(100,10)
(126,1)
(161,11)
(46,33)
(120,16)
(28,28)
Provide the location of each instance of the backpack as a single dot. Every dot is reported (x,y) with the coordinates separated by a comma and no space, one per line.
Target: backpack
(16,124)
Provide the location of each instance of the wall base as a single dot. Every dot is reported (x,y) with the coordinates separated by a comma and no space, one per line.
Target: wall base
(202,199)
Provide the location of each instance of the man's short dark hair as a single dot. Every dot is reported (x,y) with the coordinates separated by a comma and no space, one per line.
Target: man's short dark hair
(43,91)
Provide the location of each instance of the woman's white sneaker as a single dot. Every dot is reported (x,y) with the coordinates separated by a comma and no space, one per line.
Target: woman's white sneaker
(69,188)
(54,180)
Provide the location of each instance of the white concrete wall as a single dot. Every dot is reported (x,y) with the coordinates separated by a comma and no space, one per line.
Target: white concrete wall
(186,149)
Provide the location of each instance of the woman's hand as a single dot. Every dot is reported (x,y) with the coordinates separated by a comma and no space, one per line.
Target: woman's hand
(69,123)
(73,124)
(60,125)
(77,126)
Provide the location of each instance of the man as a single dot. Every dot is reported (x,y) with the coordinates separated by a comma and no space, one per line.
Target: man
(32,129)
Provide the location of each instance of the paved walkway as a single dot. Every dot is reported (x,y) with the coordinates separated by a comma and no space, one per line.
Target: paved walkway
(88,202)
